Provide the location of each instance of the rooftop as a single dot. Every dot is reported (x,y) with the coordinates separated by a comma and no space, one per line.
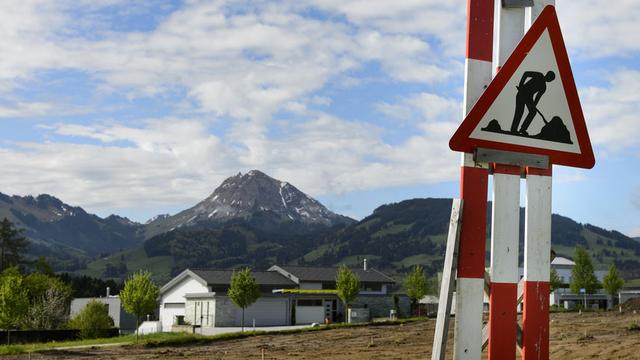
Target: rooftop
(329,273)
(223,277)
(559,260)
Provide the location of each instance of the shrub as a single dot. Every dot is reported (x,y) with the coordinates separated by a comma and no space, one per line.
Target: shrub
(633,327)
(92,321)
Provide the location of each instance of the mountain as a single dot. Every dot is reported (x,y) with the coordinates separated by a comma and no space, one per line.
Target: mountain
(254,220)
(67,235)
(245,196)
(251,219)
(394,238)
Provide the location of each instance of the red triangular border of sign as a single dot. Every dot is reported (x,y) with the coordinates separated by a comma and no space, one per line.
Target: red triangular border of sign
(461,140)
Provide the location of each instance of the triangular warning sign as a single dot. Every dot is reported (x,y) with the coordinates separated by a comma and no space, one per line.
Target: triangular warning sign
(532,104)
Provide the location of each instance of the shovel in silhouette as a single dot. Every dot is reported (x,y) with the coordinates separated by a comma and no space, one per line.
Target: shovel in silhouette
(543,118)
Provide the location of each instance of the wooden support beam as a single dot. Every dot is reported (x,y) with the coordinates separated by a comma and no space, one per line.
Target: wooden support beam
(439,348)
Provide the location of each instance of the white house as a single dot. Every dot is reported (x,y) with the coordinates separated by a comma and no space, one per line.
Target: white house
(564,297)
(315,306)
(198,297)
(289,295)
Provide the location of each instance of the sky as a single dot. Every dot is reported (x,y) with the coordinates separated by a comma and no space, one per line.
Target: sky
(140,108)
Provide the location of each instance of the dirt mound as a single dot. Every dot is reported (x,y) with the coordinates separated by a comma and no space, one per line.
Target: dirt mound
(493,126)
(555,130)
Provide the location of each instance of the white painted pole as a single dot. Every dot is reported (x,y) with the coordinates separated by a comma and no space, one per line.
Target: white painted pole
(506,214)
(510,30)
(504,263)
(474,179)
(537,251)
(535,319)
(533,12)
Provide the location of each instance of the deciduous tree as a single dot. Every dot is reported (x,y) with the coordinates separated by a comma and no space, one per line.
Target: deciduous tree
(48,312)
(415,284)
(14,299)
(582,274)
(49,299)
(347,285)
(612,282)
(243,290)
(554,280)
(139,296)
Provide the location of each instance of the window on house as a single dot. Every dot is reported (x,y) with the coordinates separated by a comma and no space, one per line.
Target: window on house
(371,287)
(309,302)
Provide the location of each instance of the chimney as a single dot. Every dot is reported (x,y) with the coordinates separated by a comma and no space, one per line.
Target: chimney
(108,291)
(365,264)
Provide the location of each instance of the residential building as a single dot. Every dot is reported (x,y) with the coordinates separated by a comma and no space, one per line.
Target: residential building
(290,295)
(565,298)
(121,319)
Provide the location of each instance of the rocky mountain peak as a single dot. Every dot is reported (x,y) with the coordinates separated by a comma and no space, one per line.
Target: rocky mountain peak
(244,195)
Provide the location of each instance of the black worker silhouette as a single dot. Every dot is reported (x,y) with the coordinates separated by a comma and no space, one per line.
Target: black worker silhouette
(532,86)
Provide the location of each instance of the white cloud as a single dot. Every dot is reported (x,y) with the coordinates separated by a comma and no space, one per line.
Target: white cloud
(22,109)
(443,21)
(27,44)
(242,59)
(611,111)
(242,63)
(165,161)
(598,28)
(423,107)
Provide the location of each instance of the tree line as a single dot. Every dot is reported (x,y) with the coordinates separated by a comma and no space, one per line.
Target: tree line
(32,297)
(583,278)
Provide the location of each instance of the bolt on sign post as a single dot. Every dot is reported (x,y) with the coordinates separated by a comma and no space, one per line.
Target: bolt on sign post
(527,119)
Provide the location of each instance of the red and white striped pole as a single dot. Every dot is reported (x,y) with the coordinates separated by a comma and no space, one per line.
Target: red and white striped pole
(503,300)
(473,189)
(537,250)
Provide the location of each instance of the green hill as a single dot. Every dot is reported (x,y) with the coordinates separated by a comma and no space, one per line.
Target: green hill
(393,238)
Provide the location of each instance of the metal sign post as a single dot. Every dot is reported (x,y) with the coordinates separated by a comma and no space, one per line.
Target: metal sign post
(528,118)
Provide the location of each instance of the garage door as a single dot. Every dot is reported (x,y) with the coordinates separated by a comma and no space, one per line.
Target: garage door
(266,312)
(168,313)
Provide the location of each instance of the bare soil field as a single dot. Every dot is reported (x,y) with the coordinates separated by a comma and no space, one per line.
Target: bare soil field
(573,336)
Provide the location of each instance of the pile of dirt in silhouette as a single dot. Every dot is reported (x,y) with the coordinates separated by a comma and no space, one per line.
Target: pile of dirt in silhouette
(493,126)
(556,131)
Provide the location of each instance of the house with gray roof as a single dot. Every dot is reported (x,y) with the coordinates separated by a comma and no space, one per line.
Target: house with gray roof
(290,295)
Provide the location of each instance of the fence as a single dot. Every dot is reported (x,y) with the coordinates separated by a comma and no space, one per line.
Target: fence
(39,336)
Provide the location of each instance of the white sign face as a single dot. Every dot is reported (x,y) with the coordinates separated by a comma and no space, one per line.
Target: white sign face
(532,110)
